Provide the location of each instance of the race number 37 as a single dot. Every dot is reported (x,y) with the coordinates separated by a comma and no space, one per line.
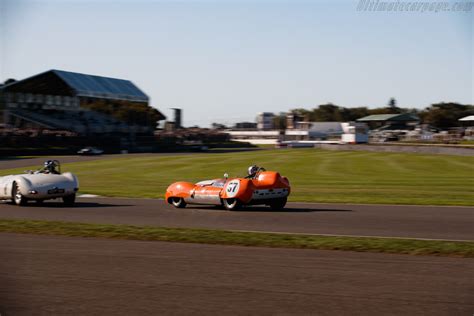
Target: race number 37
(232,188)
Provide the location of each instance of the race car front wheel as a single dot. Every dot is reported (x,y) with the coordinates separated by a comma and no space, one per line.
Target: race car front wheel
(18,198)
(278,204)
(178,202)
(232,204)
(69,200)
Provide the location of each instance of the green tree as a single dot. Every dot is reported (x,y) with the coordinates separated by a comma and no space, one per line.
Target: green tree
(352,114)
(392,103)
(327,113)
(279,121)
(445,115)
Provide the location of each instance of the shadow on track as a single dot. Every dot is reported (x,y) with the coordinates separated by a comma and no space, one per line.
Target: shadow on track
(289,210)
(76,205)
(259,209)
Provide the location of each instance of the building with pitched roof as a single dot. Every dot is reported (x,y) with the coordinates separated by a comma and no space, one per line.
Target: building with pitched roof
(391,121)
(57,99)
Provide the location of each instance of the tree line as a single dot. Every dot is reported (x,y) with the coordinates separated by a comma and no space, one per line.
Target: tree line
(441,115)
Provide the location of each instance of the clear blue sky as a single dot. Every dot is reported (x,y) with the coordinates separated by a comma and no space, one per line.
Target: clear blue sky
(224,61)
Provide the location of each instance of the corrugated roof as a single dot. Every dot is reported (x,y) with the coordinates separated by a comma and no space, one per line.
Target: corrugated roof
(80,85)
(389,117)
(102,87)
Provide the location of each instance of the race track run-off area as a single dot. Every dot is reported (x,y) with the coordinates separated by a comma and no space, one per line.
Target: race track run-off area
(58,275)
(50,275)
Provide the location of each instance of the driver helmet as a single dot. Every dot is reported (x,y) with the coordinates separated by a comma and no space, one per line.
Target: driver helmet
(49,165)
(253,170)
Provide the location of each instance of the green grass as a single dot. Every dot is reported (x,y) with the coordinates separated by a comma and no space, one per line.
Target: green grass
(315,175)
(221,237)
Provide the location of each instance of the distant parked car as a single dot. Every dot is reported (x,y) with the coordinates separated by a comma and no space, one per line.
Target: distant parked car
(90,151)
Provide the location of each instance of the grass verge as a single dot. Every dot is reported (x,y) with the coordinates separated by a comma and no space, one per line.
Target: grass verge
(221,237)
(315,175)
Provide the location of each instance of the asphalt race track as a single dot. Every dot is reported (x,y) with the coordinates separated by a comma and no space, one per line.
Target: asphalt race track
(42,275)
(451,223)
(51,275)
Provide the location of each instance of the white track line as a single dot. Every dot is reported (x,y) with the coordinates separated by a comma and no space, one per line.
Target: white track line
(356,236)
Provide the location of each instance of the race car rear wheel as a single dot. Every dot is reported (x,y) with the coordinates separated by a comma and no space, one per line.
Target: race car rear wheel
(17,197)
(178,202)
(232,204)
(278,204)
(69,200)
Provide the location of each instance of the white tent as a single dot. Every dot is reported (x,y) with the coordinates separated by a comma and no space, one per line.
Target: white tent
(467,118)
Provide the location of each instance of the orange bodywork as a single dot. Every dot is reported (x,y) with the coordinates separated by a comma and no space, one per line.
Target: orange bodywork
(266,185)
(179,189)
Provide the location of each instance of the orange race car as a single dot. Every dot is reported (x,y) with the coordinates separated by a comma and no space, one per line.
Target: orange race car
(259,187)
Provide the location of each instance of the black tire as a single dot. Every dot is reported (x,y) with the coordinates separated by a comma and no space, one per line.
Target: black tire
(17,197)
(39,202)
(177,202)
(278,204)
(232,204)
(69,200)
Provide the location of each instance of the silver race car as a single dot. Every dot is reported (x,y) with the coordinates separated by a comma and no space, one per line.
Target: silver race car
(44,184)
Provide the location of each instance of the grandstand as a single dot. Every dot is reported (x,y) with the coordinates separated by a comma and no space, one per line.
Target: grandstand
(80,103)
(80,121)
